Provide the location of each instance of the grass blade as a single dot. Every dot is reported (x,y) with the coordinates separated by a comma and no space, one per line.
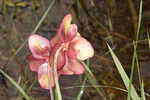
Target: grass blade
(131,74)
(139,20)
(124,76)
(135,58)
(81,90)
(93,80)
(16,85)
(148,38)
(34,31)
(142,91)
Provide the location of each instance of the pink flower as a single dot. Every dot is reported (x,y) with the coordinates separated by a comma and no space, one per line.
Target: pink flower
(39,59)
(68,48)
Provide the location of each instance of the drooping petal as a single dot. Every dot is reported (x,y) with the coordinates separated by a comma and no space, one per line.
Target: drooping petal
(44,78)
(64,27)
(80,49)
(65,70)
(75,66)
(66,22)
(71,33)
(35,63)
(60,58)
(39,46)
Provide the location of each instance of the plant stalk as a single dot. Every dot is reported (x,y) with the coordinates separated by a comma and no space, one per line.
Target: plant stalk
(50,85)
(55,73)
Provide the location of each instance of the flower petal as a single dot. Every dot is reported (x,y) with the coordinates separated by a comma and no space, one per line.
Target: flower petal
(71,33)
(67,31)
(80,49)
(39,46)
(43,77)
(60,59)
(65,70)
(75,66)
(35,63)
(66,23)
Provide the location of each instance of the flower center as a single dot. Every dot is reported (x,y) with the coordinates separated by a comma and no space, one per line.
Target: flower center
(65,46)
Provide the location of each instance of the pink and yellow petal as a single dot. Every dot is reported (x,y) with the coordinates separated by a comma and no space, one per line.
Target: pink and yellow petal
(75,66)
(39,46)
(71,32)
(67,31)
(65,70)
(35,63)
(45,78)
(61,60)
(66,22)
(80,49)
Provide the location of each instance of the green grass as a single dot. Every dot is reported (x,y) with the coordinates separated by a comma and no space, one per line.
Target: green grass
(148,38)
(81,92)
(135,58)
(34,31)
(90,76)
(124,76)
(21,90)
(132,93)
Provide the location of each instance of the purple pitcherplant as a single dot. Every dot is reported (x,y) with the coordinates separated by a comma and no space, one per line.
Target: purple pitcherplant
(65,51)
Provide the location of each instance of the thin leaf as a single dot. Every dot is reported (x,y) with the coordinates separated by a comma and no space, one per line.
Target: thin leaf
(22,4)
(124,76)
(148,39)
(16,85)
(33,83)
(34,31)
(135,55)
(93,80)
(131,74)
(142,91)
(81,90)
(140,18)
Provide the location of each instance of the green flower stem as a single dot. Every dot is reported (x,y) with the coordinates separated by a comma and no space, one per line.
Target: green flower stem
(50,85)
(55,73)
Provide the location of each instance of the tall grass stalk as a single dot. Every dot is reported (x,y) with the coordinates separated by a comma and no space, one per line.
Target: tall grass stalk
(82,89)
(135,58)
(21,90)
(124,76)
(34,31)
(148,38)
(93,80)
(142,92)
